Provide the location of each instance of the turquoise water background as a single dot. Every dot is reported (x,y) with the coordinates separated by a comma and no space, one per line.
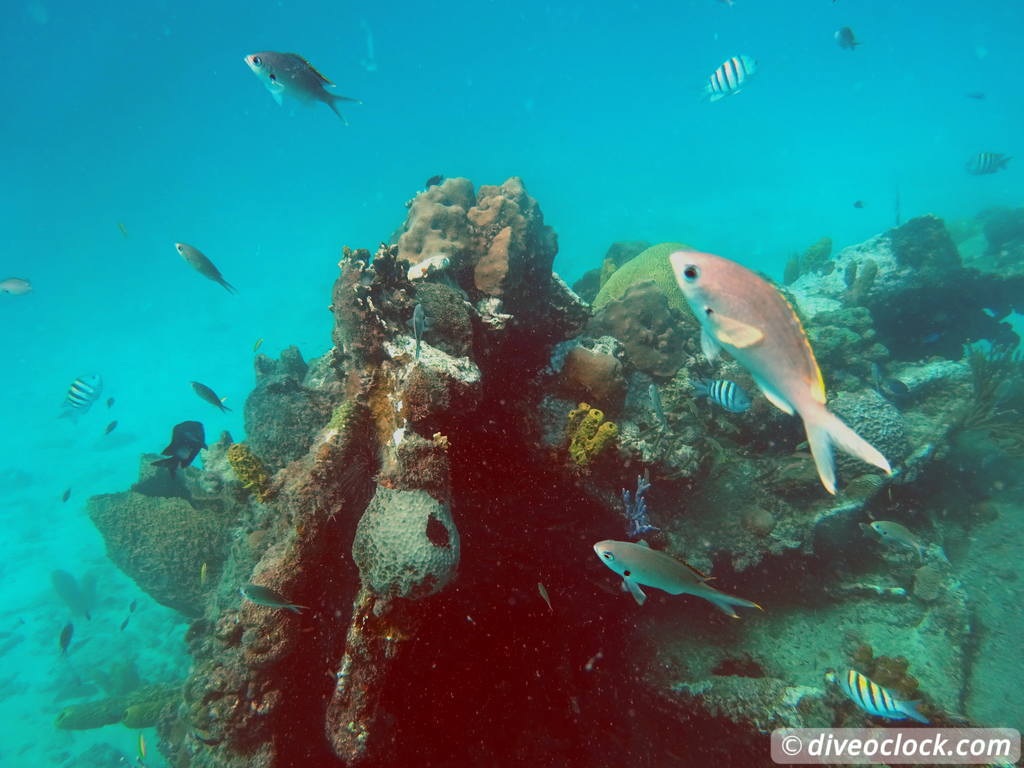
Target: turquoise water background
(144,114)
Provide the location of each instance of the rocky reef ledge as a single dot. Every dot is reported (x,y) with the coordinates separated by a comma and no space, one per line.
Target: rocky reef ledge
(429,493)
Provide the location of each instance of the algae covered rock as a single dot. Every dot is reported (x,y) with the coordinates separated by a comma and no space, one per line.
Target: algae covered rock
(406,544)
(161,543)
(139,709)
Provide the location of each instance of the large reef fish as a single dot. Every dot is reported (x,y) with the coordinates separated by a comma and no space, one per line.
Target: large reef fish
(874,699)
(639,565)
(744,314)
(289,73)
(187,439)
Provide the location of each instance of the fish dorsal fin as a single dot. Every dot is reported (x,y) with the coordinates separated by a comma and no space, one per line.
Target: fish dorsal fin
(703,576)
(774,397)
(735,333)
(314,70)
(818,384)
(708,345)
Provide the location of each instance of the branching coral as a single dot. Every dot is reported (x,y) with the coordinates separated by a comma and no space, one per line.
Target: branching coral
(249,470)
(997,407)
(588,434)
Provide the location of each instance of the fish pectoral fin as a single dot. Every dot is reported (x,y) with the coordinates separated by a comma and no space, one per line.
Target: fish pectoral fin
(709,346)
(774,397)
(277,95)
(729,330)
(634,589)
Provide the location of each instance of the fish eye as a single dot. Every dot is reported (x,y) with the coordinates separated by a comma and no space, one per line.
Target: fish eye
(690,272)
(257,60)
(273,76)
(627,573)
(607,555)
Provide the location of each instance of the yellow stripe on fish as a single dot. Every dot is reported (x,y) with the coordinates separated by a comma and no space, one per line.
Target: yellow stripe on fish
(876,700)
(747,316)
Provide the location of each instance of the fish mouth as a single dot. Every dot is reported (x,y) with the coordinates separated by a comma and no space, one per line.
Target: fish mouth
(248,62)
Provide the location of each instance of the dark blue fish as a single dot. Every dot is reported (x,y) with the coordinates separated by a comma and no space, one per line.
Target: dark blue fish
(110,427)
(420,323)
(65,638)
(187,439)
(433,181)
(985,163)
(83,392)
(727,394)
(844,36)
(635,511)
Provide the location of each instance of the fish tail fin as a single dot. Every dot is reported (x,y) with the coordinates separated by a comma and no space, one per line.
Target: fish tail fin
(171,462)
(295,608)
(331,99)
(909,708)
(224,407)
(825,430)
(727,603)
(227,286)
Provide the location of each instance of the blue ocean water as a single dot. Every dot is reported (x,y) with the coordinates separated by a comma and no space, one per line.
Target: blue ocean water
(130,126)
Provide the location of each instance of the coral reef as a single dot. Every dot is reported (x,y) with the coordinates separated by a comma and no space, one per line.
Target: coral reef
(650,264)
(249,470)
(596,375)
(619,253)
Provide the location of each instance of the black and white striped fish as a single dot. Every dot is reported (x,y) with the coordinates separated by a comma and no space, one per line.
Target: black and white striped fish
(83,392)
(730,77)
(985,163)
(876,700)
(727,394)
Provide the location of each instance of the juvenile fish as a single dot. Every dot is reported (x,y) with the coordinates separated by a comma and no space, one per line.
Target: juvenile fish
(65,638)
(639,565)
(198,261)
(742,313)
(898,535)
(203,571)
(258,344)
(433,181)
(858,204)
(265,596)
(874,699)
(83,392)
(110,427)
(659,412)
(845,38)
(207,394)
(187,439)
(290,74)
(66,495)
(15,286)
(124,624)
(730,77)
(110,402)
(727,394)
(985,163)
(544,595)
(420,323)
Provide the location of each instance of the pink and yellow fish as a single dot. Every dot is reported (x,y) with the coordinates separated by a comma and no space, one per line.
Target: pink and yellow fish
(746,315)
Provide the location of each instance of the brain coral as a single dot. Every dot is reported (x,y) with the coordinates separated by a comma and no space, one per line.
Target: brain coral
(651,264)
(876,420)
(406,544)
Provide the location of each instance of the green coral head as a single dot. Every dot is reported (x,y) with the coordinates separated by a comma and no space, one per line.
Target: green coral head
(651,264)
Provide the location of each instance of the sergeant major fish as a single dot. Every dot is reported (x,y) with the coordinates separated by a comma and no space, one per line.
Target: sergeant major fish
(268,598)
(744,314)
(730,77)
(207,394)
(985,163)
(83,392)
(187,439)
(639,565)
(289,73)
(727,394)
(201,264)
(874,699)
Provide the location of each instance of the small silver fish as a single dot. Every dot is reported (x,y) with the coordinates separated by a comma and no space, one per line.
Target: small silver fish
(874,699)
(544,595)
(201,264)
(639,565)
(15,286)
(895,534)
(985,163)
(659,412)
(267,597)
(290,74)
(207,394)
(845,38)
(730,77)
(727,394)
